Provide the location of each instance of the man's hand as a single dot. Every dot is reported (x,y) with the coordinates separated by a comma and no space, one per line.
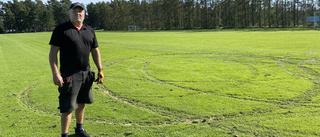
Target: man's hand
(100,77)
(58,80)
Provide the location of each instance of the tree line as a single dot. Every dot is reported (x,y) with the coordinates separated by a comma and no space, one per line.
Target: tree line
(32,16)
(29,16)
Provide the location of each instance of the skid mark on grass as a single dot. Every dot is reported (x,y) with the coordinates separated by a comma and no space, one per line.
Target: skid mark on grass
(200,91)
(169,112)
(145,75)
(149,77)
(176,116)
(286,61)
(301,66)
(139,69)
(173,119)
(299,63)
(108,93)
(166,112)
(25,101)
(298,67)
(183,117)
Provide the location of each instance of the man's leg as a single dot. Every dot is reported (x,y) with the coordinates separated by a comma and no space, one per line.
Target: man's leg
(79,118)
(80,113)
(65,122)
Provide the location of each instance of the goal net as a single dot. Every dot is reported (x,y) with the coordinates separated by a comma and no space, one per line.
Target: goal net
(316,20)
(133,28)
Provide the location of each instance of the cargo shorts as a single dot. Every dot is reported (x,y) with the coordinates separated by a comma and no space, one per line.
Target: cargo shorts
(76,89)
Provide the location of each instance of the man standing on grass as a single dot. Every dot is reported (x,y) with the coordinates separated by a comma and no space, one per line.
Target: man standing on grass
(75,40)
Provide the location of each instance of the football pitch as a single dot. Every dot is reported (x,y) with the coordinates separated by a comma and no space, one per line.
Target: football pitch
(172,83)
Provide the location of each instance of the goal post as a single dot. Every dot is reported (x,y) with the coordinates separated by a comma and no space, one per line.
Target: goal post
(133,28)
(316,19)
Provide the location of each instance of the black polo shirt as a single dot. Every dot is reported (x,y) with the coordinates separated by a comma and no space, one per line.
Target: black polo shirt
(75,46)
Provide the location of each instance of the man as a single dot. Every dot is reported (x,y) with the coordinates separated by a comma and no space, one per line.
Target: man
(75,40)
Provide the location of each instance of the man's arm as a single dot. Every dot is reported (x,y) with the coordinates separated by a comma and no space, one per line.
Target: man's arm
(96,57)
(97,60)
(57,79)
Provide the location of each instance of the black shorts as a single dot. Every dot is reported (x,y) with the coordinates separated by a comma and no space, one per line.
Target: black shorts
(76,89)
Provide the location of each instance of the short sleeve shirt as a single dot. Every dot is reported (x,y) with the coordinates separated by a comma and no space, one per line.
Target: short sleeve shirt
(75,46)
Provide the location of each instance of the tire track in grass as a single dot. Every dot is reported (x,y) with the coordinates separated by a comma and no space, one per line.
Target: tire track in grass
(158,81)
(149,107)
(25,102)
(308,95)
(22,57)
(155,80)
(286,60)
(24,99)
(199,91)
(146,107)
(167,112)
(281,63)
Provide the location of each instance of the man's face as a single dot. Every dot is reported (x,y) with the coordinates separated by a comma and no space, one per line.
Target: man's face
(77,14)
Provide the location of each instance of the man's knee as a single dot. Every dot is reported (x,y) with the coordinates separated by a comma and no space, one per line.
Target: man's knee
(65,114)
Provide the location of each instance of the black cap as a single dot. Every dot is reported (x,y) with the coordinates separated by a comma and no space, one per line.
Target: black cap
(73,5)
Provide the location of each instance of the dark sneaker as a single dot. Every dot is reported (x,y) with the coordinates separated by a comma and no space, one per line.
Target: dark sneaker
(82,133)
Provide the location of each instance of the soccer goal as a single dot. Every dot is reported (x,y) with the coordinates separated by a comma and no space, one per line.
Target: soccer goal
(314,19)
(133,28)
(316,16)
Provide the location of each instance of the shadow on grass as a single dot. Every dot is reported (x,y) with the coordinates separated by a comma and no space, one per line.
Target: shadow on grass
(73,135)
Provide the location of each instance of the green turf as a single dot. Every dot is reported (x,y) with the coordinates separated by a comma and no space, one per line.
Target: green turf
(173,83)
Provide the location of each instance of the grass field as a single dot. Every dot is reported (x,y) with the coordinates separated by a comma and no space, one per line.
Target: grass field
(172,83)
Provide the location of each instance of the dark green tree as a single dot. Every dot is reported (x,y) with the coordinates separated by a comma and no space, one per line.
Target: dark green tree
(60,10)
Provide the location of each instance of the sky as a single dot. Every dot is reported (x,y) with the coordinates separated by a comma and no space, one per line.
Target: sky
(85,2)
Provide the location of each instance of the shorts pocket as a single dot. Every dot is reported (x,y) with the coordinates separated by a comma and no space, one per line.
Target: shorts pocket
(67,85)
(91,76)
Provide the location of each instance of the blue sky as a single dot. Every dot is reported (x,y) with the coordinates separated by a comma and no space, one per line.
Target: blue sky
(85,2)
